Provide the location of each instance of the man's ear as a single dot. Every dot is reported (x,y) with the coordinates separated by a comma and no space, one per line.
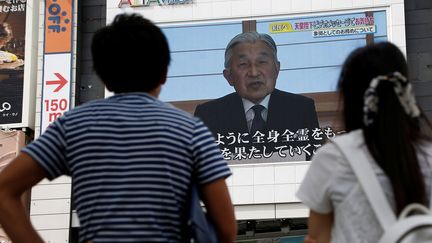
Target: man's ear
(164,78)
(277,64)
(227,76)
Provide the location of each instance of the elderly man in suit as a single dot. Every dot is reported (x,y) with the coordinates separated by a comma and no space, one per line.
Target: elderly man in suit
(257,108)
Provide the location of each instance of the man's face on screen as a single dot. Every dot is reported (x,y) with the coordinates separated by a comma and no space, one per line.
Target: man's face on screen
(252,71)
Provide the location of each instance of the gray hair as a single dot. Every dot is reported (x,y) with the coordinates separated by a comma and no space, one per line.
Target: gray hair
(249,37)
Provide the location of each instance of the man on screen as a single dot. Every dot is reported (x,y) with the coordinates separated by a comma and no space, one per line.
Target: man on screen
(257,108)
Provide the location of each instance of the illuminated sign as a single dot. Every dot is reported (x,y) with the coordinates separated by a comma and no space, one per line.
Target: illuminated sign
(327,27)
(146,3)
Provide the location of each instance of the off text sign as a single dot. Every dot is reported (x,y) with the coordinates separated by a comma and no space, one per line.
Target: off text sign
(56,87)
(58,26)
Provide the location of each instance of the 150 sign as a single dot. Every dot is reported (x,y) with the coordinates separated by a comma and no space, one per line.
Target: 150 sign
(56,87)
(54,105)
(55,108)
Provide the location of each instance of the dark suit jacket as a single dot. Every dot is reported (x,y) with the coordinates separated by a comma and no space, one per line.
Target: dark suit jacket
(285,111)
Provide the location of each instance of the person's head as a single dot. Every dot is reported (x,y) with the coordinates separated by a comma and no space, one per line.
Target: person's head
(361,66)
(131,54)
(378,98)
(251,65)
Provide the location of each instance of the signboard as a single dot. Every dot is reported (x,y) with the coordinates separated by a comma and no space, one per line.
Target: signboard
(329,26)
(58,26)
(12,43)
(146,3)
(57,70)
(310,49)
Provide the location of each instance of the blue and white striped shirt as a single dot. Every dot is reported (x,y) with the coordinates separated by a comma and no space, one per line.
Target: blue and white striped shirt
(131,158)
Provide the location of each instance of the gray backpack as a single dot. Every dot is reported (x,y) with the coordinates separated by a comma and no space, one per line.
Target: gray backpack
(403,229)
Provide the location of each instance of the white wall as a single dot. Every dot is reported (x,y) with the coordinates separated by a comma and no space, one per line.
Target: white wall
(267,191)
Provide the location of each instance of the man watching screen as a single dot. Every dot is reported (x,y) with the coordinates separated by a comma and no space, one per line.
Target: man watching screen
(132,159)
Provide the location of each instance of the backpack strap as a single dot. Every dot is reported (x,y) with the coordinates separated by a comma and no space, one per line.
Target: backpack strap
(366,176)
(430,184)
(430,197)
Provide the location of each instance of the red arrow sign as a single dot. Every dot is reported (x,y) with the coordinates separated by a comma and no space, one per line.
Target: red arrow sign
(60,82)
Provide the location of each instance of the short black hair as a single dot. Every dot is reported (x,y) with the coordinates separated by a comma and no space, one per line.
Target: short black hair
(131,54)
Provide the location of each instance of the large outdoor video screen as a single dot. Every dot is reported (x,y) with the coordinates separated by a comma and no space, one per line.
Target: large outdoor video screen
(310,50)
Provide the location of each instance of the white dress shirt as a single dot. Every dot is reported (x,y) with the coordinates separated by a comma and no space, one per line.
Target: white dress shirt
(249,112)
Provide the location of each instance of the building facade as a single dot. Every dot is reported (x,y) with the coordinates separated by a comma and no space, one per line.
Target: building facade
(313,38)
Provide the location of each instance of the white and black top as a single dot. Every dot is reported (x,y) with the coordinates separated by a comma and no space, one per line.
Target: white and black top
(330,186)
(131,158)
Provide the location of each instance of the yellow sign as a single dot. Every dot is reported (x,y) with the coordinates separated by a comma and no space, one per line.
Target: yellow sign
(281,27)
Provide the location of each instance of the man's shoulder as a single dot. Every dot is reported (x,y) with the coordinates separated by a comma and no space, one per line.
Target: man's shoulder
(85,108)
(220,102)
(171,109)
(111,109)
(284,95)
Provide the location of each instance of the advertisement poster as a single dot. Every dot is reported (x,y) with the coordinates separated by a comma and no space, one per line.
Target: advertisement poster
(12,40)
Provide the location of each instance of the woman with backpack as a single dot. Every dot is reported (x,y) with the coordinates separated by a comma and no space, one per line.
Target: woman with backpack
(385,125)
